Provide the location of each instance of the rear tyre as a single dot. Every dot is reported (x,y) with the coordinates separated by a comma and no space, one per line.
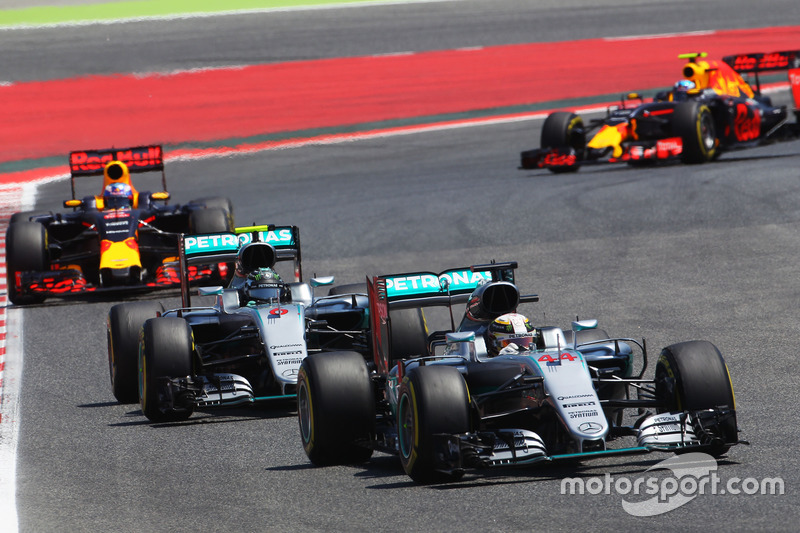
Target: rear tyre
(564,129)
(335,408)
(694,124)
(165,351)
(432,400)
(213,220)
(692,376)
(350,288)
(219,202)
(409,334)
(26,250)
(123,325)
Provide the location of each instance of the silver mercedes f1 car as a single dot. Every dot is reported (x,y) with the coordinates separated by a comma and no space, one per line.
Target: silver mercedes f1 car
(570,395)
(247,347)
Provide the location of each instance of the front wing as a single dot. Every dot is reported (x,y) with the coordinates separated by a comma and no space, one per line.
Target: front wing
(670,432)
(71,282)
(565,159)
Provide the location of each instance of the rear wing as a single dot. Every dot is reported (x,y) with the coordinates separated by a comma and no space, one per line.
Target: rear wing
(423,289)
(775,61)
(137,159)
(224,247)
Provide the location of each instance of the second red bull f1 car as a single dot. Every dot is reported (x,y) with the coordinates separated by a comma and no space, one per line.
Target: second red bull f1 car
(711,110)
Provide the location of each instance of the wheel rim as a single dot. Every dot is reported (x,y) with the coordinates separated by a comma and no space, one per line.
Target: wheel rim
(304,412)
(707,135)
(405,417)
(142,381)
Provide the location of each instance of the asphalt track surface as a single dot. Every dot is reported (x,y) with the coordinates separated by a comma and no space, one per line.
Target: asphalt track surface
(671,253)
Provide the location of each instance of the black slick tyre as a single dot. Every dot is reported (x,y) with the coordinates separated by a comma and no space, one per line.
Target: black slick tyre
(564,129)
(122,328)
(213,220)
(692,376)
(431,400)
(165,351)
(26,250)
(336,408)
(348,288)
(219,202)
(409,334)
(693,122)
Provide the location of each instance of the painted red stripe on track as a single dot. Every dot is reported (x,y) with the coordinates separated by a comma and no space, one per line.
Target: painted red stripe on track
(53,117)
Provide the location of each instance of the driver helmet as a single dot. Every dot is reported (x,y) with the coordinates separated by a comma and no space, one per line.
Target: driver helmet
(117,196)
(265,285)
(683,85)
(507,329)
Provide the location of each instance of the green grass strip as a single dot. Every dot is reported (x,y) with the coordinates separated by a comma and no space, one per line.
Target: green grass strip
(50,15)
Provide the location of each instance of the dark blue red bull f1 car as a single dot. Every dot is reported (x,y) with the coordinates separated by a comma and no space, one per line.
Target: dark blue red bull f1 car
(121,239)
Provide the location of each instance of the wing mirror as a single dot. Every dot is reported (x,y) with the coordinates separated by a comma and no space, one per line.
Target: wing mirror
(209,291)
(319,282)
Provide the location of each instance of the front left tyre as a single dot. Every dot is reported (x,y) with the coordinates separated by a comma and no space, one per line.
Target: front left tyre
(693,122)
(564,129)
(693,376)
(165,352)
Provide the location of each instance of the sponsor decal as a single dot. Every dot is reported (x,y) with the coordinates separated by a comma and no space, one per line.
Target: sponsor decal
(231,242)
(284,354)
(669,428)
(279,311)
(590,427)
(423,283)
(279,346)
(580,404)
(662,419)
(574,396)
(290,373)
(290,362)
(559,160)
(277,237)
(219,242)
(93,161)
(583,414)
(117,213)
(747,125)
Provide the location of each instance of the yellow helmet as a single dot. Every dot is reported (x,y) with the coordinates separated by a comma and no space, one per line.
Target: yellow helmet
(508,328)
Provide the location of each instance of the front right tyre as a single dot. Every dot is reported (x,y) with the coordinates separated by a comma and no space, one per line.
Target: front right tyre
(122,329)
(432,400)
(336,408)
(26,250)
